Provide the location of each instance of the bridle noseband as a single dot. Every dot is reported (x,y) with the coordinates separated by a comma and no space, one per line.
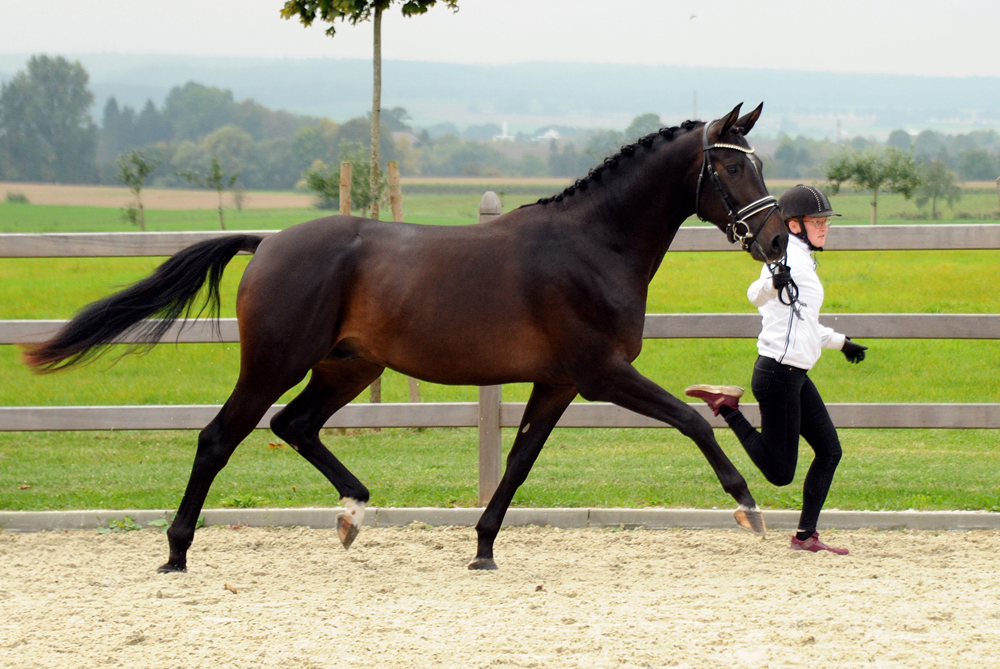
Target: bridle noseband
(738,228)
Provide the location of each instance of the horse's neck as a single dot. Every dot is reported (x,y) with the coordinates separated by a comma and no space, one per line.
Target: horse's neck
(644,212)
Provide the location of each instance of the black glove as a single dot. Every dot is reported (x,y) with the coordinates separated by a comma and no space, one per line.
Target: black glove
(853,352)
(781,278)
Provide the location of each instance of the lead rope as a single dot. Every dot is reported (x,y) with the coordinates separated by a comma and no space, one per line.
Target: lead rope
(791,290)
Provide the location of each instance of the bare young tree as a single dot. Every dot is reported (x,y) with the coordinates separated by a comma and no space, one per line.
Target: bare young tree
(133,169)
(215,178)
(938,183)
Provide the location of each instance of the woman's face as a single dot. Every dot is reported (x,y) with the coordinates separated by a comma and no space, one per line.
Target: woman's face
(816,228)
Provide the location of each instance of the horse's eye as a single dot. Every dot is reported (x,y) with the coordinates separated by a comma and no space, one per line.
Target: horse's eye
(732,169)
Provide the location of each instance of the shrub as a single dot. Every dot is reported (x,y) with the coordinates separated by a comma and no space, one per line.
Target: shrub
(16,198)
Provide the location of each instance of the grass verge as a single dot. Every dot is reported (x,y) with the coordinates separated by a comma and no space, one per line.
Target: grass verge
(881,470)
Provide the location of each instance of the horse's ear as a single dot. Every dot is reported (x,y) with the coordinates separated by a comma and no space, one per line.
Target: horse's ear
(745,123)
(725,124)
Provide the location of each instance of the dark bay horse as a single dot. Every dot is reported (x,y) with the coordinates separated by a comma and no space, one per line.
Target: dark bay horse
(552,293)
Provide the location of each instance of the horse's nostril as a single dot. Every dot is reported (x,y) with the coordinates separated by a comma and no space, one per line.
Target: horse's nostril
(776,245)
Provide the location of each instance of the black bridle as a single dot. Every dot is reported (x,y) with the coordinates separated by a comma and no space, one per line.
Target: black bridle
(739,226)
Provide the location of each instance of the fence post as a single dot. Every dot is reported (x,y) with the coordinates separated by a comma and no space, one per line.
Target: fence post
(490,397)
(396,202)
(345,188)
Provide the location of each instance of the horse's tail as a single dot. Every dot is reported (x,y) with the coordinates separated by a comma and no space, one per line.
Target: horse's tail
(166,295)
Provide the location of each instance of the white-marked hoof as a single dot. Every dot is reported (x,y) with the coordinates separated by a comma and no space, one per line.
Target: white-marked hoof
(485,564)
(346,530)
(751,519)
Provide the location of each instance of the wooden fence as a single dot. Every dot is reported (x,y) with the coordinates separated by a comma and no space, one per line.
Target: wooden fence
(491,414)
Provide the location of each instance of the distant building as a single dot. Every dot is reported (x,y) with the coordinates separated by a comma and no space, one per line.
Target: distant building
(503,136)
(549,134)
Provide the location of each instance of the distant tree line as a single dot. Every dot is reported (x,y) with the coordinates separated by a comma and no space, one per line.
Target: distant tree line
(47,134)
(973,157)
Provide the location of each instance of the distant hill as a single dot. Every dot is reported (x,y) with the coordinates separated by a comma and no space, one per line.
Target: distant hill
(533,95)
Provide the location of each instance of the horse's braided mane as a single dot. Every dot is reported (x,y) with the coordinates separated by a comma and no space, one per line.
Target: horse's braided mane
(611,162)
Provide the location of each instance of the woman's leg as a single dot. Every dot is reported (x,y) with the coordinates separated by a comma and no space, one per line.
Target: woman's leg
(775,448)
(821,435)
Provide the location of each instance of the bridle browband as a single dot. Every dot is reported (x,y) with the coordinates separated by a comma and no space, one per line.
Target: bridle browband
(739,227)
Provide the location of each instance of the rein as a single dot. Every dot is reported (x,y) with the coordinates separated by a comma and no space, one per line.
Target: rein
(739,227)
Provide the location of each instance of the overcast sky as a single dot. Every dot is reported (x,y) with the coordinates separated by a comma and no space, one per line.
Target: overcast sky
(923,37)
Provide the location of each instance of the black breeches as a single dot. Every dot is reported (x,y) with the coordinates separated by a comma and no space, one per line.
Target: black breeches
(790,406)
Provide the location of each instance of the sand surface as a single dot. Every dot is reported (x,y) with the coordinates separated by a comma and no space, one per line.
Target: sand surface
(401,597)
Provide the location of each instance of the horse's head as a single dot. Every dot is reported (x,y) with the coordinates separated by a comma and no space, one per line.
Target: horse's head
(730,191)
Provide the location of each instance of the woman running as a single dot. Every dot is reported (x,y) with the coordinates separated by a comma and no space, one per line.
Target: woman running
(790,342)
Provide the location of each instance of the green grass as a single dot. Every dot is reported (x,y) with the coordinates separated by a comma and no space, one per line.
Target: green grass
(883,469)
(427,208)
(855,282)
(888,469)
(972,207)
(446,209)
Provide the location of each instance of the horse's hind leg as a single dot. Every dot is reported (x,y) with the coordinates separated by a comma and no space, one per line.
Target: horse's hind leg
(216,443)
(545,406)
(333,384)
(622,384)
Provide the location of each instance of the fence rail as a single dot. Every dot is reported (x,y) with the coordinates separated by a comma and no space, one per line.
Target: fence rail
(658,326)
(943,237)
(469,414)
(490,414)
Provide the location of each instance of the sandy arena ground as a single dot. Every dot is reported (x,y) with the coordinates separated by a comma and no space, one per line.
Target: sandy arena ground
(401,597)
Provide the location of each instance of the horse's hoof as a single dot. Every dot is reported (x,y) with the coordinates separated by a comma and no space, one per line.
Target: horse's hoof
(751,519)
(346,530)
(485,564)
(171,568)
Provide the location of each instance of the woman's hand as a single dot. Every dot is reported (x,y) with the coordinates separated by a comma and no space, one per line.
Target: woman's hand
(853,352)
(781,278)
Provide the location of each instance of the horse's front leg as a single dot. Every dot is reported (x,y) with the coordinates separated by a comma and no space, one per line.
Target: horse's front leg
(620,383)
(541,414)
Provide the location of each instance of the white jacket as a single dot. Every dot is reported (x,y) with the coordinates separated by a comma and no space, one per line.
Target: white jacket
(793,341)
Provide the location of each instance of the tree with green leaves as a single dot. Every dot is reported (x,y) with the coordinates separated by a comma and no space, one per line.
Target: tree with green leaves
(324,180)
(46,132)
(133,169)
(889,170)
(355,12)
(938,183)
(900,139)
(642,126)
(215,177)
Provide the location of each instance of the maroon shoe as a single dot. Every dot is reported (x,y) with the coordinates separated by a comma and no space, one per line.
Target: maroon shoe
(814,545)
(716,396)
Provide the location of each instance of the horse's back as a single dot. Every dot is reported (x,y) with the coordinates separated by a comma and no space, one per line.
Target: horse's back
(443,303)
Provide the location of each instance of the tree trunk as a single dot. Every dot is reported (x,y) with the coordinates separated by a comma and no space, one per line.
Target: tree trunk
(934,208)
(222,226)
(874,205)
(142,215)
(376,386)
(376,109)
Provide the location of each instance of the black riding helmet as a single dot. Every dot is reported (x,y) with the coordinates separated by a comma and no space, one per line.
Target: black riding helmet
(802,201)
